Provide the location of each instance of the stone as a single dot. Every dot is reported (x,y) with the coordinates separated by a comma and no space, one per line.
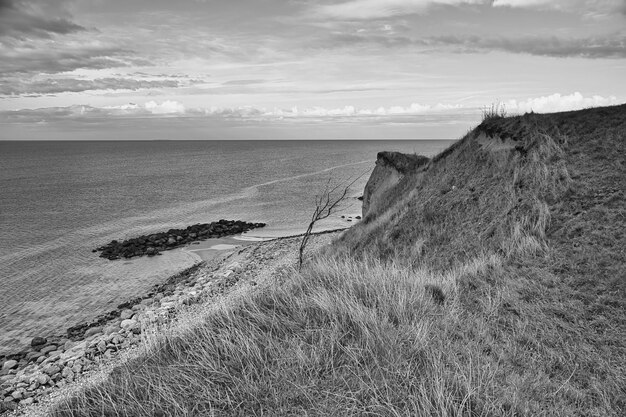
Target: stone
(42,379)
(128,324)
(27,401)
(51,370)
(48,349)
(110,329)
(126,314)
(93,331)
(101,346)
(10,364)
(38,341)
(6,378)
(68,374)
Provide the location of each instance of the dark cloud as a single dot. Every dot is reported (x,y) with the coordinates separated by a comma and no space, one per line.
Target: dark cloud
(593,47)
(65,58)
(53,86)
(22,20)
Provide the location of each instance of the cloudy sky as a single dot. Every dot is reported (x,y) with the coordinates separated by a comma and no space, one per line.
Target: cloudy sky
(213,69)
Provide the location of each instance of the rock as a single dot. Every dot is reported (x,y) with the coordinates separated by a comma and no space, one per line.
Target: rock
(6,379)
(127,324)
(110,329)
(10,364)
(38,341)
(102,346)
(92,331)
(67,374)
(42,379)
(48,349)
(27,401)
(126,314)
(51,370)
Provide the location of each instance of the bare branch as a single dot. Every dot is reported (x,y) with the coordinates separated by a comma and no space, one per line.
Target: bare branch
(325,204)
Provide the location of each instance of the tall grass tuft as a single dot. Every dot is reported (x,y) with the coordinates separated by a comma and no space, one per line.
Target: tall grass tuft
(494,111)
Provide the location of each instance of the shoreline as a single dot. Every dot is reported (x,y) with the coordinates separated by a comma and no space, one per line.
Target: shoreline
(59,361)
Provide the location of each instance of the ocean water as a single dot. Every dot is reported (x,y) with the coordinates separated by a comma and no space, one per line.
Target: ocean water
(60,200)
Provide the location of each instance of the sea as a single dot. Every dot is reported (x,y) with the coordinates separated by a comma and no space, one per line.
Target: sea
(61,199)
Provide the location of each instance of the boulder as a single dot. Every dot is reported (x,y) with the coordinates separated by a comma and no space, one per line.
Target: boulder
(126,314)
(51,370)
(27,401)
(38,341)
(10,364)
(48,349)
(92,331)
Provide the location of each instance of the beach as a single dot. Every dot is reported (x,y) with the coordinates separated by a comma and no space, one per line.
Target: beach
(229,266)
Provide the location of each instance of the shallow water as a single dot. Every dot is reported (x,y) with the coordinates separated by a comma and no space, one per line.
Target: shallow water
(59,200)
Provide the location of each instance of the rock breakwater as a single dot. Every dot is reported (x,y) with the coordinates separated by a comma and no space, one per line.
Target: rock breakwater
(153,244)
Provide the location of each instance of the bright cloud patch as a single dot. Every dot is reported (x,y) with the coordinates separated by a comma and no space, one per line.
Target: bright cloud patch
(167,107)
(557,102)
(574,6)
(375,9)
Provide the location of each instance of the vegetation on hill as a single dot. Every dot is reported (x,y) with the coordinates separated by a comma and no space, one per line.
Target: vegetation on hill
(491,282)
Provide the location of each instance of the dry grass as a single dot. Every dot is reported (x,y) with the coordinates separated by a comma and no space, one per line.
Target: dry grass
(490,284)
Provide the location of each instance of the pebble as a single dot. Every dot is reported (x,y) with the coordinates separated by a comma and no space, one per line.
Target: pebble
(126,314)
(48,349)
(93,331)
(10,364)
(27,401)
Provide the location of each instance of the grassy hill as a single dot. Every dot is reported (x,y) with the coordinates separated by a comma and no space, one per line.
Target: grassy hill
(489,282)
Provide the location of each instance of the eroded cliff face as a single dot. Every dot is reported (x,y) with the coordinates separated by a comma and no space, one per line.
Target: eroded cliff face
(390,169)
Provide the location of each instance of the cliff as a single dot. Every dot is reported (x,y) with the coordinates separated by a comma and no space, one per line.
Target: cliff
(390,168)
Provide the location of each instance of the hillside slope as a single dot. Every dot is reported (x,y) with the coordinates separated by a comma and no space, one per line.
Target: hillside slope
(488,282)
(546,195)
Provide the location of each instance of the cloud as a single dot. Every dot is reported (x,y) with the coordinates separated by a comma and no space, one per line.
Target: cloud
(349,114)
(167,107)
(24,19)
(53,57)
(377,9)
(172,107)
(244,82)
(611,46)
(557,102)
(593,47)
(585,7)
(10,87)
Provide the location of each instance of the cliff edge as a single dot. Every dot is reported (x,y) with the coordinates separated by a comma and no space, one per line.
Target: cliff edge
(390,168)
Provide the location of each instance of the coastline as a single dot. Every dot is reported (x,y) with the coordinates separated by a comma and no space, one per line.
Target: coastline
(61,361)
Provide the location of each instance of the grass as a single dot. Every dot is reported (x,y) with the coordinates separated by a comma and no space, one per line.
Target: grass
(490,283)
(495,111)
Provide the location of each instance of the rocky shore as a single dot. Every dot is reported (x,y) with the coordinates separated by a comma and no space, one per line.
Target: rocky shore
(153,244)
(50,364)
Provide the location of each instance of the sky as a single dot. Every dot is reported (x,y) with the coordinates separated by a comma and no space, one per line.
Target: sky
(299,69)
